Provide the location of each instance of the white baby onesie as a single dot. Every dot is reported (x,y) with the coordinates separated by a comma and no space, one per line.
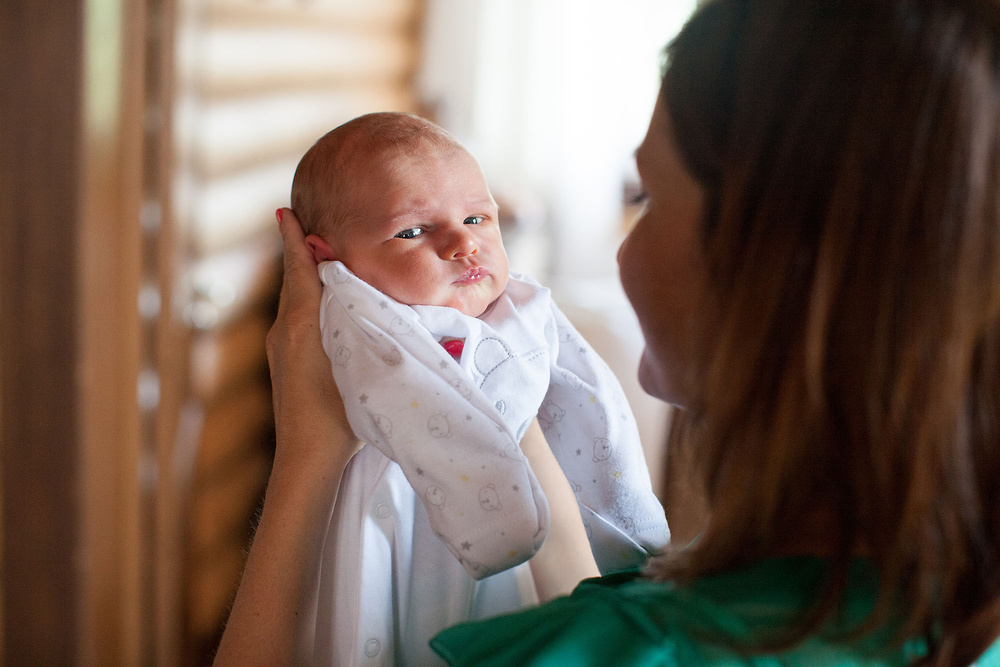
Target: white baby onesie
(453,428)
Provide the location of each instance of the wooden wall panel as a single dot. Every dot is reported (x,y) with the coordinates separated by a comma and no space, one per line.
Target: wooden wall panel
(39,146)
(221,146)
(71,102)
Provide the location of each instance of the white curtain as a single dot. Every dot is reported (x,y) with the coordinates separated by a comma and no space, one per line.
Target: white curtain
(552,96)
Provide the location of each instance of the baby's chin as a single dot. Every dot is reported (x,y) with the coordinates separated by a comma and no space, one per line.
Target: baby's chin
(471,300)
(474,308)
(474,300)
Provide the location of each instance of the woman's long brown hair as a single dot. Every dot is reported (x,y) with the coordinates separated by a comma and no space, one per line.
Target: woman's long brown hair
(850,150)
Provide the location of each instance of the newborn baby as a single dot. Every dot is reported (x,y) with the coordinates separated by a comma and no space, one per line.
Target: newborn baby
(443,359)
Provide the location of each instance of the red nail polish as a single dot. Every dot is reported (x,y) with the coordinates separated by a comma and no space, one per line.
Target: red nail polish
(279,214)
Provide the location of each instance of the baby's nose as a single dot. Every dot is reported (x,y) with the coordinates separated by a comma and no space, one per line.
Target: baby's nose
(461,244)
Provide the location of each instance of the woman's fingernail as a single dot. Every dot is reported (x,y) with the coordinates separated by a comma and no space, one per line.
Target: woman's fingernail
(279,214)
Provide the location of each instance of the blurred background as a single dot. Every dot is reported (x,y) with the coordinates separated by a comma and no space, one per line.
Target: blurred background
(144,146)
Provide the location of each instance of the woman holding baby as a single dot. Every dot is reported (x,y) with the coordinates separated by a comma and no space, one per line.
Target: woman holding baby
(817,276)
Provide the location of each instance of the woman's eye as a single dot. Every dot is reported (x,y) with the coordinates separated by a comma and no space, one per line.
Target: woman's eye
(473,220)
(638,198)
(410,233)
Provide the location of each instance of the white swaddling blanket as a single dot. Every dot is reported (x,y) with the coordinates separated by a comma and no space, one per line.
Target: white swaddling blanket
(454,427)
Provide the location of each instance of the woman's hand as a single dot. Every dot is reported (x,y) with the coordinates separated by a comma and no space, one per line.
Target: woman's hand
(273,618)
(303,391)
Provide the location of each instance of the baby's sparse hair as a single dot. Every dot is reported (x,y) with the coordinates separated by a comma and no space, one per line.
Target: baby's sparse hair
(325,171)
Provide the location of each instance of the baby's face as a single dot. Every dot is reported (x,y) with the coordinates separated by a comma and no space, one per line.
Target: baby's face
(424,230)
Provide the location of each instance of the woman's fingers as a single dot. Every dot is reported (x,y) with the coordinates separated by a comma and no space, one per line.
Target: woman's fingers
(294,336)
(304,391)
(301,280)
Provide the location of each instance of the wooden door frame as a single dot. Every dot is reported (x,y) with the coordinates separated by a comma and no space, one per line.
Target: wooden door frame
(83,478)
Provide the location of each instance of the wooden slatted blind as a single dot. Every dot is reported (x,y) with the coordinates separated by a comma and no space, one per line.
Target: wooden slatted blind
(257,82)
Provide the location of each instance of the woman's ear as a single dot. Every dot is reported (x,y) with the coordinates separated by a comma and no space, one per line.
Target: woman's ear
(320,249)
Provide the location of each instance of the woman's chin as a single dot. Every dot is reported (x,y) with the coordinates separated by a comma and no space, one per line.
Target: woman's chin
(655,381)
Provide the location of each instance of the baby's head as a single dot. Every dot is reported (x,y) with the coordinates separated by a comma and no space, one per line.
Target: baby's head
(406,208)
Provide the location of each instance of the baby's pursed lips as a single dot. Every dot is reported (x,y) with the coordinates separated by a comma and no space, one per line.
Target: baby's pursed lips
(472,276)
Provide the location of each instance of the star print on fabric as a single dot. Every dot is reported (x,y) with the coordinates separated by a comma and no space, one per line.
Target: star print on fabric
(465,478)
(579,451)
(466,546)
(363,398)
(420,472)
(336,334)
(511,553)
(617,474)
(583,350)
(443,364)
(468,418)
(414,405)
(383,304)
(350,306)
(516,487)
(593,399)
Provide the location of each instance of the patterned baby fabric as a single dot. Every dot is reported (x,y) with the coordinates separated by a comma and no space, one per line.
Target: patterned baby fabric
(453,426)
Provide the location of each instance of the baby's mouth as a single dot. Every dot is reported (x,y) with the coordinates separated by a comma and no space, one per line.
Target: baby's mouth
(472,276)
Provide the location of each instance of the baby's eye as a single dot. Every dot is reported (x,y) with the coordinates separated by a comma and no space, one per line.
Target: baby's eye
(410,233)
(473,220)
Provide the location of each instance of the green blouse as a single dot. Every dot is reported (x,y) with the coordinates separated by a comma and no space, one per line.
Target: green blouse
(623,620)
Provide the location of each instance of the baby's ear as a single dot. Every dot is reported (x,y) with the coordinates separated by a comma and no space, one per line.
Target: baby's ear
(320,249)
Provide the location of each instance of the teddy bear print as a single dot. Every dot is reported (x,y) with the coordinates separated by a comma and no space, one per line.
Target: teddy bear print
(438,425)
(384,425)
(543,422)
(462,387)
(489,499)
(400,327)
(602,449)
(572,380)
(513,452)
(553,412)
(340,275)
(393,358)
(341,356)
(435,496)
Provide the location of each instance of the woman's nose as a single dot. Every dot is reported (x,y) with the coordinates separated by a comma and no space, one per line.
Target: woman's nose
(460,244)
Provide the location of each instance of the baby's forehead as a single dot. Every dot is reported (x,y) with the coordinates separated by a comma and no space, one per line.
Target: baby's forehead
(378,152)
